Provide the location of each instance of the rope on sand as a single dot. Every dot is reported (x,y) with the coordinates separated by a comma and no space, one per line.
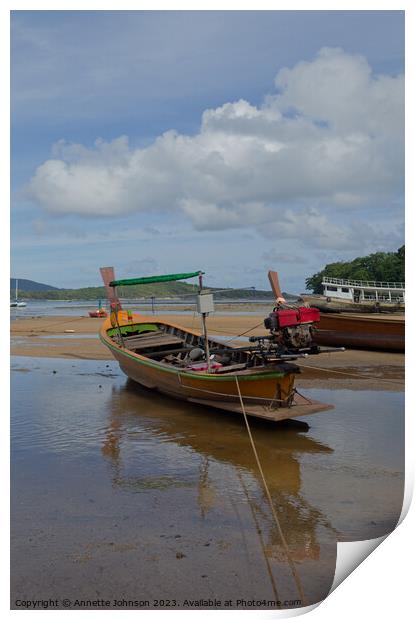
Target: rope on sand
(78,318)
(268,494)
(261,541)
(350,374)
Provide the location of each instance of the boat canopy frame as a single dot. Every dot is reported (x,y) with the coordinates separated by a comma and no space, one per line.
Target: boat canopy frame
(154,279)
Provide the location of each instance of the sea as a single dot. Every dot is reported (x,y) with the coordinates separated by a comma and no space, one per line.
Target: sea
(80,308)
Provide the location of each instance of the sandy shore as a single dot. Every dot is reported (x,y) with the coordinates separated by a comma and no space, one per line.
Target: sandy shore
(77,338)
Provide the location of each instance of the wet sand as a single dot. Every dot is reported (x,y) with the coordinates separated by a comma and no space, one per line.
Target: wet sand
(355,369)
(120,493)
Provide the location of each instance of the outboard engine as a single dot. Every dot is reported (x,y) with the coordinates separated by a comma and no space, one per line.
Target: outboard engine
(292,328)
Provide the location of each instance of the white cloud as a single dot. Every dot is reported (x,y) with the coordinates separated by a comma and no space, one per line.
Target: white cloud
(312,228)
(309,226)
(275,257)
(144,266)
(340,89)
(332,135)
(210,216)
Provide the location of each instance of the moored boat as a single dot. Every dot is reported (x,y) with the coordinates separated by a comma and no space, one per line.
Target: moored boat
(99,313)
(16,303)
(367,296)
(362,331)
(184,364)
(332,304)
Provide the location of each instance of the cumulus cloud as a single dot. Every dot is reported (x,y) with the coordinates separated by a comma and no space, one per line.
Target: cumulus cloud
(144,266)
(308,225)
(313,229)
(330,136)
(275,257)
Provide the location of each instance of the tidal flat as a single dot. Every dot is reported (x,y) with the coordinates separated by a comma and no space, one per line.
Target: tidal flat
(122,493)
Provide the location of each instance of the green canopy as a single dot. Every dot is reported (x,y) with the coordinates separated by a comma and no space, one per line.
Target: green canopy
(152,279)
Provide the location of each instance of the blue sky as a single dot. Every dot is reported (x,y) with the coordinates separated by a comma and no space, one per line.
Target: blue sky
(233,142)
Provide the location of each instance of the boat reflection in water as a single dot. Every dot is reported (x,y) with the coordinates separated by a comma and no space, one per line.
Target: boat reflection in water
(212,455)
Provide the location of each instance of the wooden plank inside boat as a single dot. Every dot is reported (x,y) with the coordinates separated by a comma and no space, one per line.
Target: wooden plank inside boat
(300,407)
(150,340)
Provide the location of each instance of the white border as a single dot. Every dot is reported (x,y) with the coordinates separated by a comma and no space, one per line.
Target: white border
(382,584)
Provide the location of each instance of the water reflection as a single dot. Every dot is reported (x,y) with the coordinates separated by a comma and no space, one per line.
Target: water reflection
(219,439)
(111,482)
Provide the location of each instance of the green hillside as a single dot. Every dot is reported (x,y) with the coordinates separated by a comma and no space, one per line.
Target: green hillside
(163,290)
(30,286)
(168,289)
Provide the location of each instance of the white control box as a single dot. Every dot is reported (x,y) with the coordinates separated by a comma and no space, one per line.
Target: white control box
(204,303)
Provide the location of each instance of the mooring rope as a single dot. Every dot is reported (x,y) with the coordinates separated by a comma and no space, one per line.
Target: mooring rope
(277,522)
(213,330)
(350,374)
(42,326)
(217,291)
(261,541)
(286,400)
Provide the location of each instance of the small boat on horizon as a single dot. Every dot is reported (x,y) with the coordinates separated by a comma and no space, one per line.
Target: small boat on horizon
(99,313)
(182,363)
(16,303)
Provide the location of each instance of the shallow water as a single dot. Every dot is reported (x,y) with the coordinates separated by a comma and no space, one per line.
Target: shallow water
(120,493)
(52,307)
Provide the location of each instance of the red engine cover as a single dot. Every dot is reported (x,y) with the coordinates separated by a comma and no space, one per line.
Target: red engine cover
(288,318)
(309,315)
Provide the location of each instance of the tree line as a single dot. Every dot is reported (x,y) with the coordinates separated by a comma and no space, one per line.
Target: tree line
(380,266)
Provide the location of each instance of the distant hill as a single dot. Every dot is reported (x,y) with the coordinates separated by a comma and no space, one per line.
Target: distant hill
(30,286)
(35,290)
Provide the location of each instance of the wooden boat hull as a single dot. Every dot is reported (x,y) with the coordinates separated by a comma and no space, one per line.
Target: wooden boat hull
(331,304)
(361,331)
(266,393)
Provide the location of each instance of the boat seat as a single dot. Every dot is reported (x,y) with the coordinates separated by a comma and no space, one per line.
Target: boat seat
(151,340)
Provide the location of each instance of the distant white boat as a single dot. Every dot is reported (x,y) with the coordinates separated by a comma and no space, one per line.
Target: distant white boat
(16,303)
(341,295)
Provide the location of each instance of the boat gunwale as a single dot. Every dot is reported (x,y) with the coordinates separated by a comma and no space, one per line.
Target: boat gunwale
(371,318)
(107,341)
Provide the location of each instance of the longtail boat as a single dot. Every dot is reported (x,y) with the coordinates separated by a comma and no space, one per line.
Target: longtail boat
(184,364)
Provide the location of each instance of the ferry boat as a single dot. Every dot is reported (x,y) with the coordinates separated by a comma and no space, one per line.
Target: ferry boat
(360,314)
(340,295)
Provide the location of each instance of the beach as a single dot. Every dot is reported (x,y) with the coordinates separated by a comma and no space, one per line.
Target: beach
(77,338)
(123,495)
